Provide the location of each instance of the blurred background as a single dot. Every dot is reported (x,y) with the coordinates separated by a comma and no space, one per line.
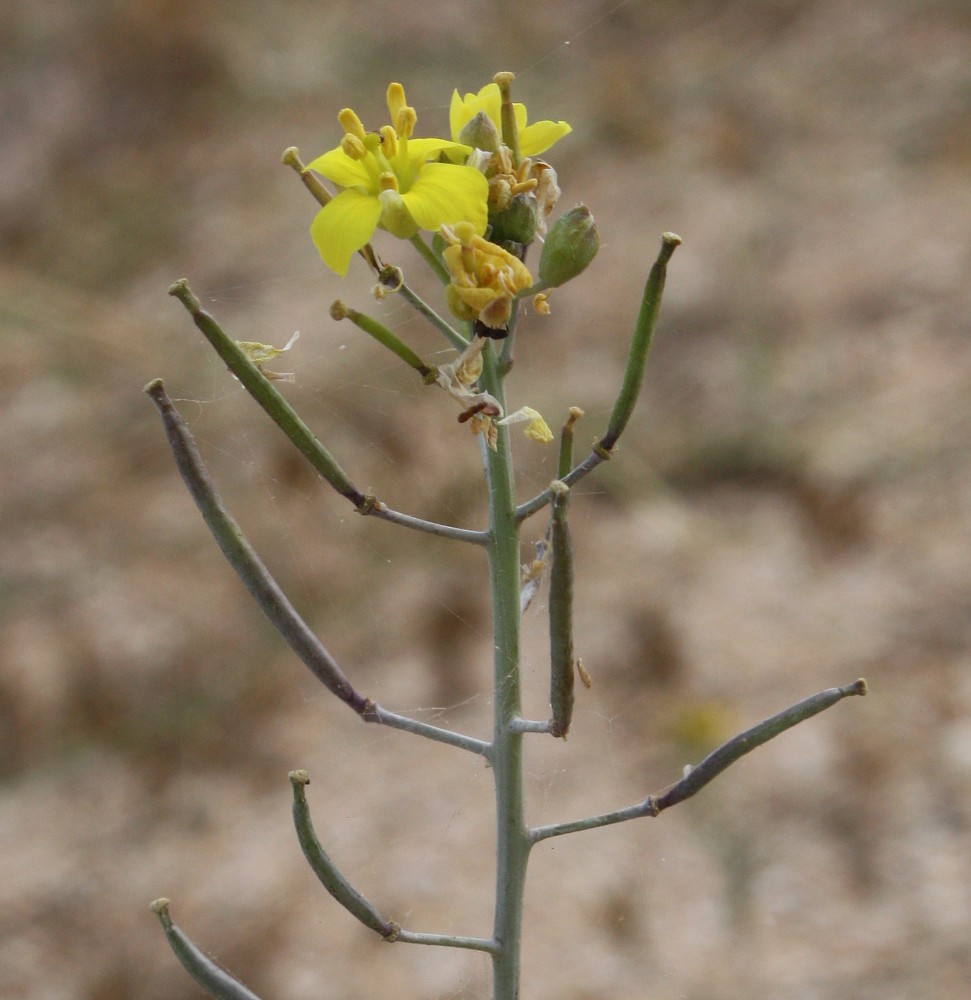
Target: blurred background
(789,509)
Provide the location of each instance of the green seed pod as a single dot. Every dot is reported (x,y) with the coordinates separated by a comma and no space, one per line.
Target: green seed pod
(331,879)
(573,242)
(215,980)
(516,223)
(561,613)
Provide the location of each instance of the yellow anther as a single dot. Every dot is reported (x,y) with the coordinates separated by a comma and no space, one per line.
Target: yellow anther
(389,142)
(353,147)
(396,101)
(351,124)
(405,122)
(523,187)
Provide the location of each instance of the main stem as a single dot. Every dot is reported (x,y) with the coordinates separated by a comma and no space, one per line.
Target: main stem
(512,842)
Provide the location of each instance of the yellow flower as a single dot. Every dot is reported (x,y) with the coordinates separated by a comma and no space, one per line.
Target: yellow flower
(390,180)
(536,427)
(485,278)
(533,139)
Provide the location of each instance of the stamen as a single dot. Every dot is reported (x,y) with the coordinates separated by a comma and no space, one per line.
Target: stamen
(396,101)
(351,124)
(405,122)
(389,142)
(353,147)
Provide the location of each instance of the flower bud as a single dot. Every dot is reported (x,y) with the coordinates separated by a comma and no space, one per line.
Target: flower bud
(573,242)
(480,132)
(516,223)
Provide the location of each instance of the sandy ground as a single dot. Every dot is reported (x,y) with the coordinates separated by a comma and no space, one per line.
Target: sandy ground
(790,508)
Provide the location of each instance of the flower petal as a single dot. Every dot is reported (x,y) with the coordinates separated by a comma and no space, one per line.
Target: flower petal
(343,170)
(538,137)
(464,109)
(343,226)
(447,193)
(425,149)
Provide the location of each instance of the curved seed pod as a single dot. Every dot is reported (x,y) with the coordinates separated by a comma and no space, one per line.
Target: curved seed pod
(561,612)
(331,879)
(215,980)
(243,558)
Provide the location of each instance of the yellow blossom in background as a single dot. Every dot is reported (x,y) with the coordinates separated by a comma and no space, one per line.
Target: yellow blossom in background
(533,139)
(485,278)
(392,181)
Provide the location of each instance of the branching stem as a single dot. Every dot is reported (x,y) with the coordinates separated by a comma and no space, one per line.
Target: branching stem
(438,735)
(697,777)
(512,838)
(265,590)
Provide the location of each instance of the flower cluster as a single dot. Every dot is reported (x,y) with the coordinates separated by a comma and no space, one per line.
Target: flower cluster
(485,195)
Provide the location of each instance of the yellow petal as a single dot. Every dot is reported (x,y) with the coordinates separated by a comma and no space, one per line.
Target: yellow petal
(343,226)
(537,138)
(345,171)
(446,192)
(463,110)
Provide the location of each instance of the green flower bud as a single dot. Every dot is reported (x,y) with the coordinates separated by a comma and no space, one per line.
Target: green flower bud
(516,223)
(573,242)
(480,132)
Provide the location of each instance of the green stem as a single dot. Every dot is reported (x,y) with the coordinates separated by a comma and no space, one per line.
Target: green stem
(447,941)
(375,713)
(431,259)
(512,836)
(386,337)
(451,334)
(383,512)
(574,476)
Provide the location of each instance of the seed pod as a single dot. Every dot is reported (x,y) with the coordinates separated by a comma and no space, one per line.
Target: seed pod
(517,223)
(214,979)
(331,879)
(572,242)
(561,612)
